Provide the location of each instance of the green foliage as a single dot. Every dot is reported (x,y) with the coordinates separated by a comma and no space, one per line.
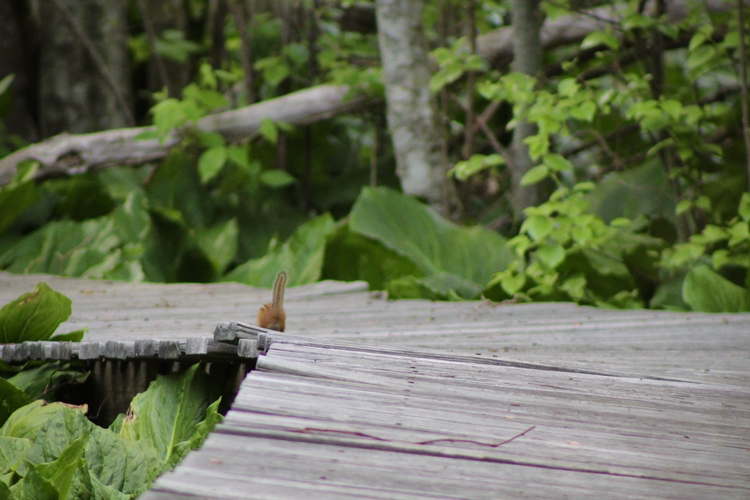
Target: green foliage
(56,452)
(453,63)
(167,416)
(171,44)
(13,398)
(705,290)
(659,150)
(105,247)
(18,195)
(211,205)
(411,242)
(197,101)
(338,48)
(37,382)
(566,253)
(301,256)
(579,245)
(35,316)
(726,248)
(477,163)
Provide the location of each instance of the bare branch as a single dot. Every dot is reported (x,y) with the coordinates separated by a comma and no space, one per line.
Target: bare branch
(563,30)
(120,146)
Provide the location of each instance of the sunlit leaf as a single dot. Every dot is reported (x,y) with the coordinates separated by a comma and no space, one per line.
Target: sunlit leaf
(211,162)
(535,174)
(706,291)
(276,178)
(33,316)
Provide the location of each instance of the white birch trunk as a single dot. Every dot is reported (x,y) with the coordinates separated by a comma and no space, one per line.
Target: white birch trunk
(412,118)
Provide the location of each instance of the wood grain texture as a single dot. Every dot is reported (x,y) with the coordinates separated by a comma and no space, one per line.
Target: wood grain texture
(370,398)
(352,423)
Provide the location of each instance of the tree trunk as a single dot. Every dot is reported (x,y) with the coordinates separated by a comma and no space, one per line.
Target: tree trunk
(19,49)
(162,15)
(412,117)
(84,66)
(527,49)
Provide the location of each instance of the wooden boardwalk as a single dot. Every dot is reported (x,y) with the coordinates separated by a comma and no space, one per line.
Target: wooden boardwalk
(368,398)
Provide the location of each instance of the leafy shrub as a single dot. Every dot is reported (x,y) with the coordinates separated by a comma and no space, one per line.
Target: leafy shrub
(54,451)
(51,450)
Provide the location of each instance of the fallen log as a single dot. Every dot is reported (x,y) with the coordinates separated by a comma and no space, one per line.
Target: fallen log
(574,27)
(67,154)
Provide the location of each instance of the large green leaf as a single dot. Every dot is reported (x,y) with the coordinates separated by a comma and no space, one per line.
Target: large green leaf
(124,465)
(38,381)
(92,248)
(200,433)
(351,257)
(175,185)
(668,295)
(13,451)
(707,291)
(26,421)
(642,190)
(167,415)
(57,432)
(74,336)
(11,399)
(219,243)
(101,491)
(441,286)
(34,486)
(131,219)
(14,199)
(212,418)
(83,197)
(432,243)
(121,182)
(61,471)
(50,248)
(120,464)
(301,256)
(33,316)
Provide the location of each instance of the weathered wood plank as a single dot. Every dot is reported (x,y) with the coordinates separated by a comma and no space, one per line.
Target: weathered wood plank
(652,410)
(285,469)
(169,349)
(247,348)
(90,350)
(419,399)
(334,475)
(143,349)
(312,417)
(655,343)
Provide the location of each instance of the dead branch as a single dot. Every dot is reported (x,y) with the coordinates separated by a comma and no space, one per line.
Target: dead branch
(119,146)
(498,44)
